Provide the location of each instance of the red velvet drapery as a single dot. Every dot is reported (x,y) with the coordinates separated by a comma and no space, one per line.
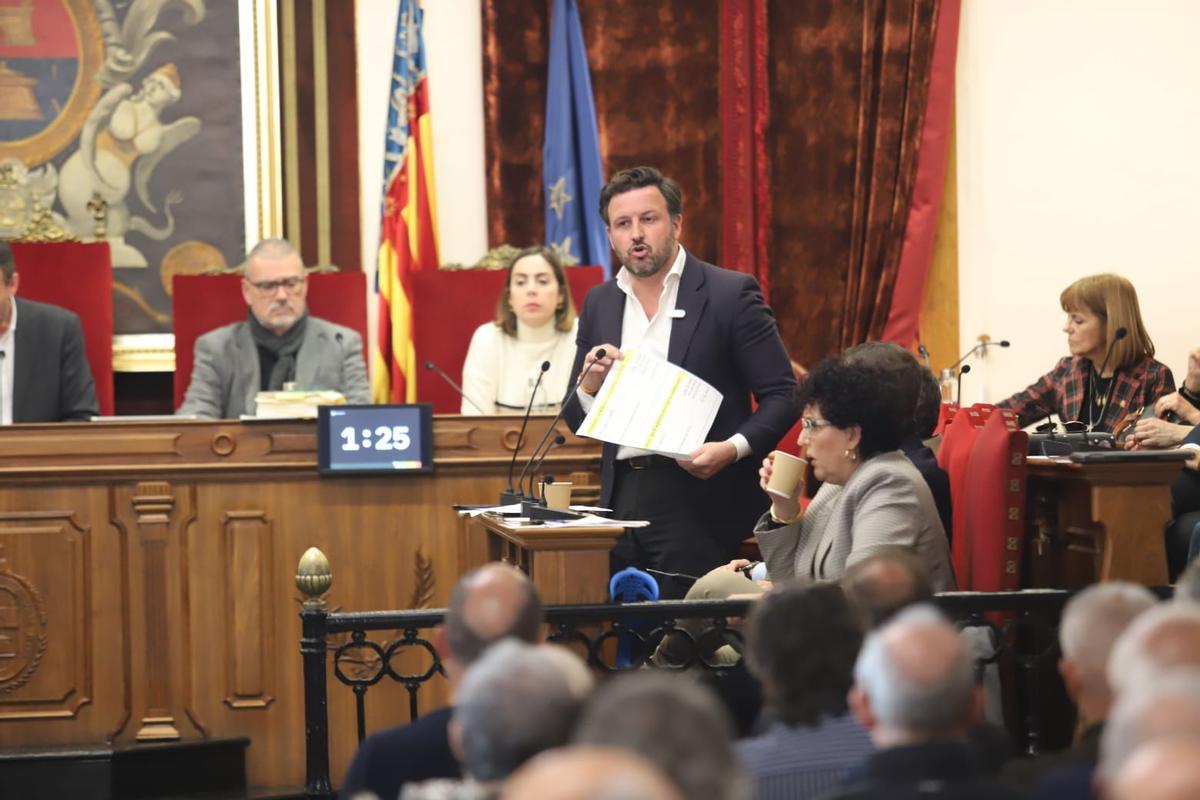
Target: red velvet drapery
(818,165)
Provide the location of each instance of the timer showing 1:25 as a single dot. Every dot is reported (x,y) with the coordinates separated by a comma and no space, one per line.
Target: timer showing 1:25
(384,437)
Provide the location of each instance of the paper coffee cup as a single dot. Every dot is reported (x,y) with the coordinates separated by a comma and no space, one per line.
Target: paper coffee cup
(557,495)
(786,474)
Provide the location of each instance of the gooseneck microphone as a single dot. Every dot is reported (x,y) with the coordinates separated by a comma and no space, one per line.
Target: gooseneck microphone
(1118,335)
(965,369)
(533,467)
(550,429)
(432,367)
(924,352)
(981,346)
(509,496)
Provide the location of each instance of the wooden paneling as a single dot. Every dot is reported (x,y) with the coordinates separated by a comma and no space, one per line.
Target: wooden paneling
(163,558)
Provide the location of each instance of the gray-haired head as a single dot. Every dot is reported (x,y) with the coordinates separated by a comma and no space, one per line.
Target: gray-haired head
(1161,640)
(1092,621)
(488,604)
(1187,586)
(917,677)
(269,250)
(1168,707)
(514,702)
(590,773)
(1167,769)
(674,722)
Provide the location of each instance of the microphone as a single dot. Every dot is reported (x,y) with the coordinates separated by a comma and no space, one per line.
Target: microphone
(432,367)
(533,467)
(981,346)
(508,496)
(550,429)
(924,351)
(965,369)
(1119,334)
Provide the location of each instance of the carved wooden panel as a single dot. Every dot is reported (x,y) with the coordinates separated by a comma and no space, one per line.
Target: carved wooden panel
(45,636)
(250,609)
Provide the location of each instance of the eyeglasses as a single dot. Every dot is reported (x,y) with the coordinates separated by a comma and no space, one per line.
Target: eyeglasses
(291,285)
(811,424)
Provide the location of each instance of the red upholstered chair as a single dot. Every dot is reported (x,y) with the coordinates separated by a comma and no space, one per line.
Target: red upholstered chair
(201,303)
(448,305)
(955,450)
(76,276)
(993,507)
(945,417)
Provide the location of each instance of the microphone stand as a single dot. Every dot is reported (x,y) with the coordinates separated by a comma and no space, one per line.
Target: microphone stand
(508,496)
(429,365)
(965,369)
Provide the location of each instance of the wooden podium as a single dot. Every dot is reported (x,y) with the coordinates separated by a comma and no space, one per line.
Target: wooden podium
(147,574)
(1097,522)
(566,564)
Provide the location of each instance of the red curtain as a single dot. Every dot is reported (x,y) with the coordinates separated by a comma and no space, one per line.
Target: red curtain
(793,128)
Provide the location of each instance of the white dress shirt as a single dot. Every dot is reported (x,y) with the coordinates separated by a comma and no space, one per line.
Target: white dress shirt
(653,335)
(8,347)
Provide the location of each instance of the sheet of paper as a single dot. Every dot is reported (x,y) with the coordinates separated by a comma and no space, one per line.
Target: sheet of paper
(654,405)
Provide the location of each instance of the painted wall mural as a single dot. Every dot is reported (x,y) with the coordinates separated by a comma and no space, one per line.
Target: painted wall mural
(136,103)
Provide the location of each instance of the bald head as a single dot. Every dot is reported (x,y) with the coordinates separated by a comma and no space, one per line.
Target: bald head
(491,603)
(885,582)
(914,680)
(1168,769)
(589,773)
(1163,639)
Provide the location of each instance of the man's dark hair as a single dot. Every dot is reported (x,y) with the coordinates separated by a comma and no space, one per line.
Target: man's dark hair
(929,404)
(802,642)
(852,394)
(638,178)
(8,264)
(885,582)
(466,644)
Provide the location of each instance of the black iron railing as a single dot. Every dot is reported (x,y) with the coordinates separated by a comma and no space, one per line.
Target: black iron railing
(1024,627)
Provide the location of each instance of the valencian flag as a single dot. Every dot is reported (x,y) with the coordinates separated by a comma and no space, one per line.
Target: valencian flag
(571,151)
(408,239)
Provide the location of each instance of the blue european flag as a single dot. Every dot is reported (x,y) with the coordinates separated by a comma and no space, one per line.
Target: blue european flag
(571,152)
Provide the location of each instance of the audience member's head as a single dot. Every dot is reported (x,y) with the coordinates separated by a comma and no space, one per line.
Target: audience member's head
(1167,708)
(914,681)
(801,642)
(590,773)
(1168,769)
(883,583)
(513,703)
(1163,639)
(907,373)
(673,721)
(1187,586)
(274,285)
(1092,622)
(488,604)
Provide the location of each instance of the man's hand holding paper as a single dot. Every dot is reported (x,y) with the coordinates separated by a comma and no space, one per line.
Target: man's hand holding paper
(654,405)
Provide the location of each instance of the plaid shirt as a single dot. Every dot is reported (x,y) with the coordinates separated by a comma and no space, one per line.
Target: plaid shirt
(1062,390)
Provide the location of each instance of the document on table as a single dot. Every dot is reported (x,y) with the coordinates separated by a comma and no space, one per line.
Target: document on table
(653,405)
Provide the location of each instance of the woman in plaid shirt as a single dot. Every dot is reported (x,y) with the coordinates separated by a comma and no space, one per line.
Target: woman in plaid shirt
(1097,307)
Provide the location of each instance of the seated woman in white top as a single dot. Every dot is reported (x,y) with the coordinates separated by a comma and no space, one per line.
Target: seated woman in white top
(535,323)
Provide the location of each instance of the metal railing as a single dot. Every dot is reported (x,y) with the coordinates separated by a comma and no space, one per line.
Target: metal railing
(1024,626)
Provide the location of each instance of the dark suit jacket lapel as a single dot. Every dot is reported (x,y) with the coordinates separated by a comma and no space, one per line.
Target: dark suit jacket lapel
(26,338)
(690,299)
(611,317)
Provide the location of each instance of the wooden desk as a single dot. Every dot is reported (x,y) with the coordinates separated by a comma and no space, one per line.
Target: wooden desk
(146,587)
(567,565)
(1097,522)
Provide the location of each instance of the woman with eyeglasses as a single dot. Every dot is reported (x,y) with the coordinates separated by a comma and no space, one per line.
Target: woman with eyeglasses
(535,323)
(1111,373)
(872,497)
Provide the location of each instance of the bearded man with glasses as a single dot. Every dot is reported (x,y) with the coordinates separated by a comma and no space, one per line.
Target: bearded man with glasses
(277,344)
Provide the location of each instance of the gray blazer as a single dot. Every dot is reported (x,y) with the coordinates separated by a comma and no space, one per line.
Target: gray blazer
(226,375)
(885,503)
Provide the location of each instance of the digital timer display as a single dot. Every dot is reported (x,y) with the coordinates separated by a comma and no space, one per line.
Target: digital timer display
(375,439)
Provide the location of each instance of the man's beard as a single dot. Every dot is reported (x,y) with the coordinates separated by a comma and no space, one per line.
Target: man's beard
(655,263)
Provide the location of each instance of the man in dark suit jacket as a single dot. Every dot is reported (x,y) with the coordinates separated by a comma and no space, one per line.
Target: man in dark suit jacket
(44,373)
(489,604)
(713,323)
